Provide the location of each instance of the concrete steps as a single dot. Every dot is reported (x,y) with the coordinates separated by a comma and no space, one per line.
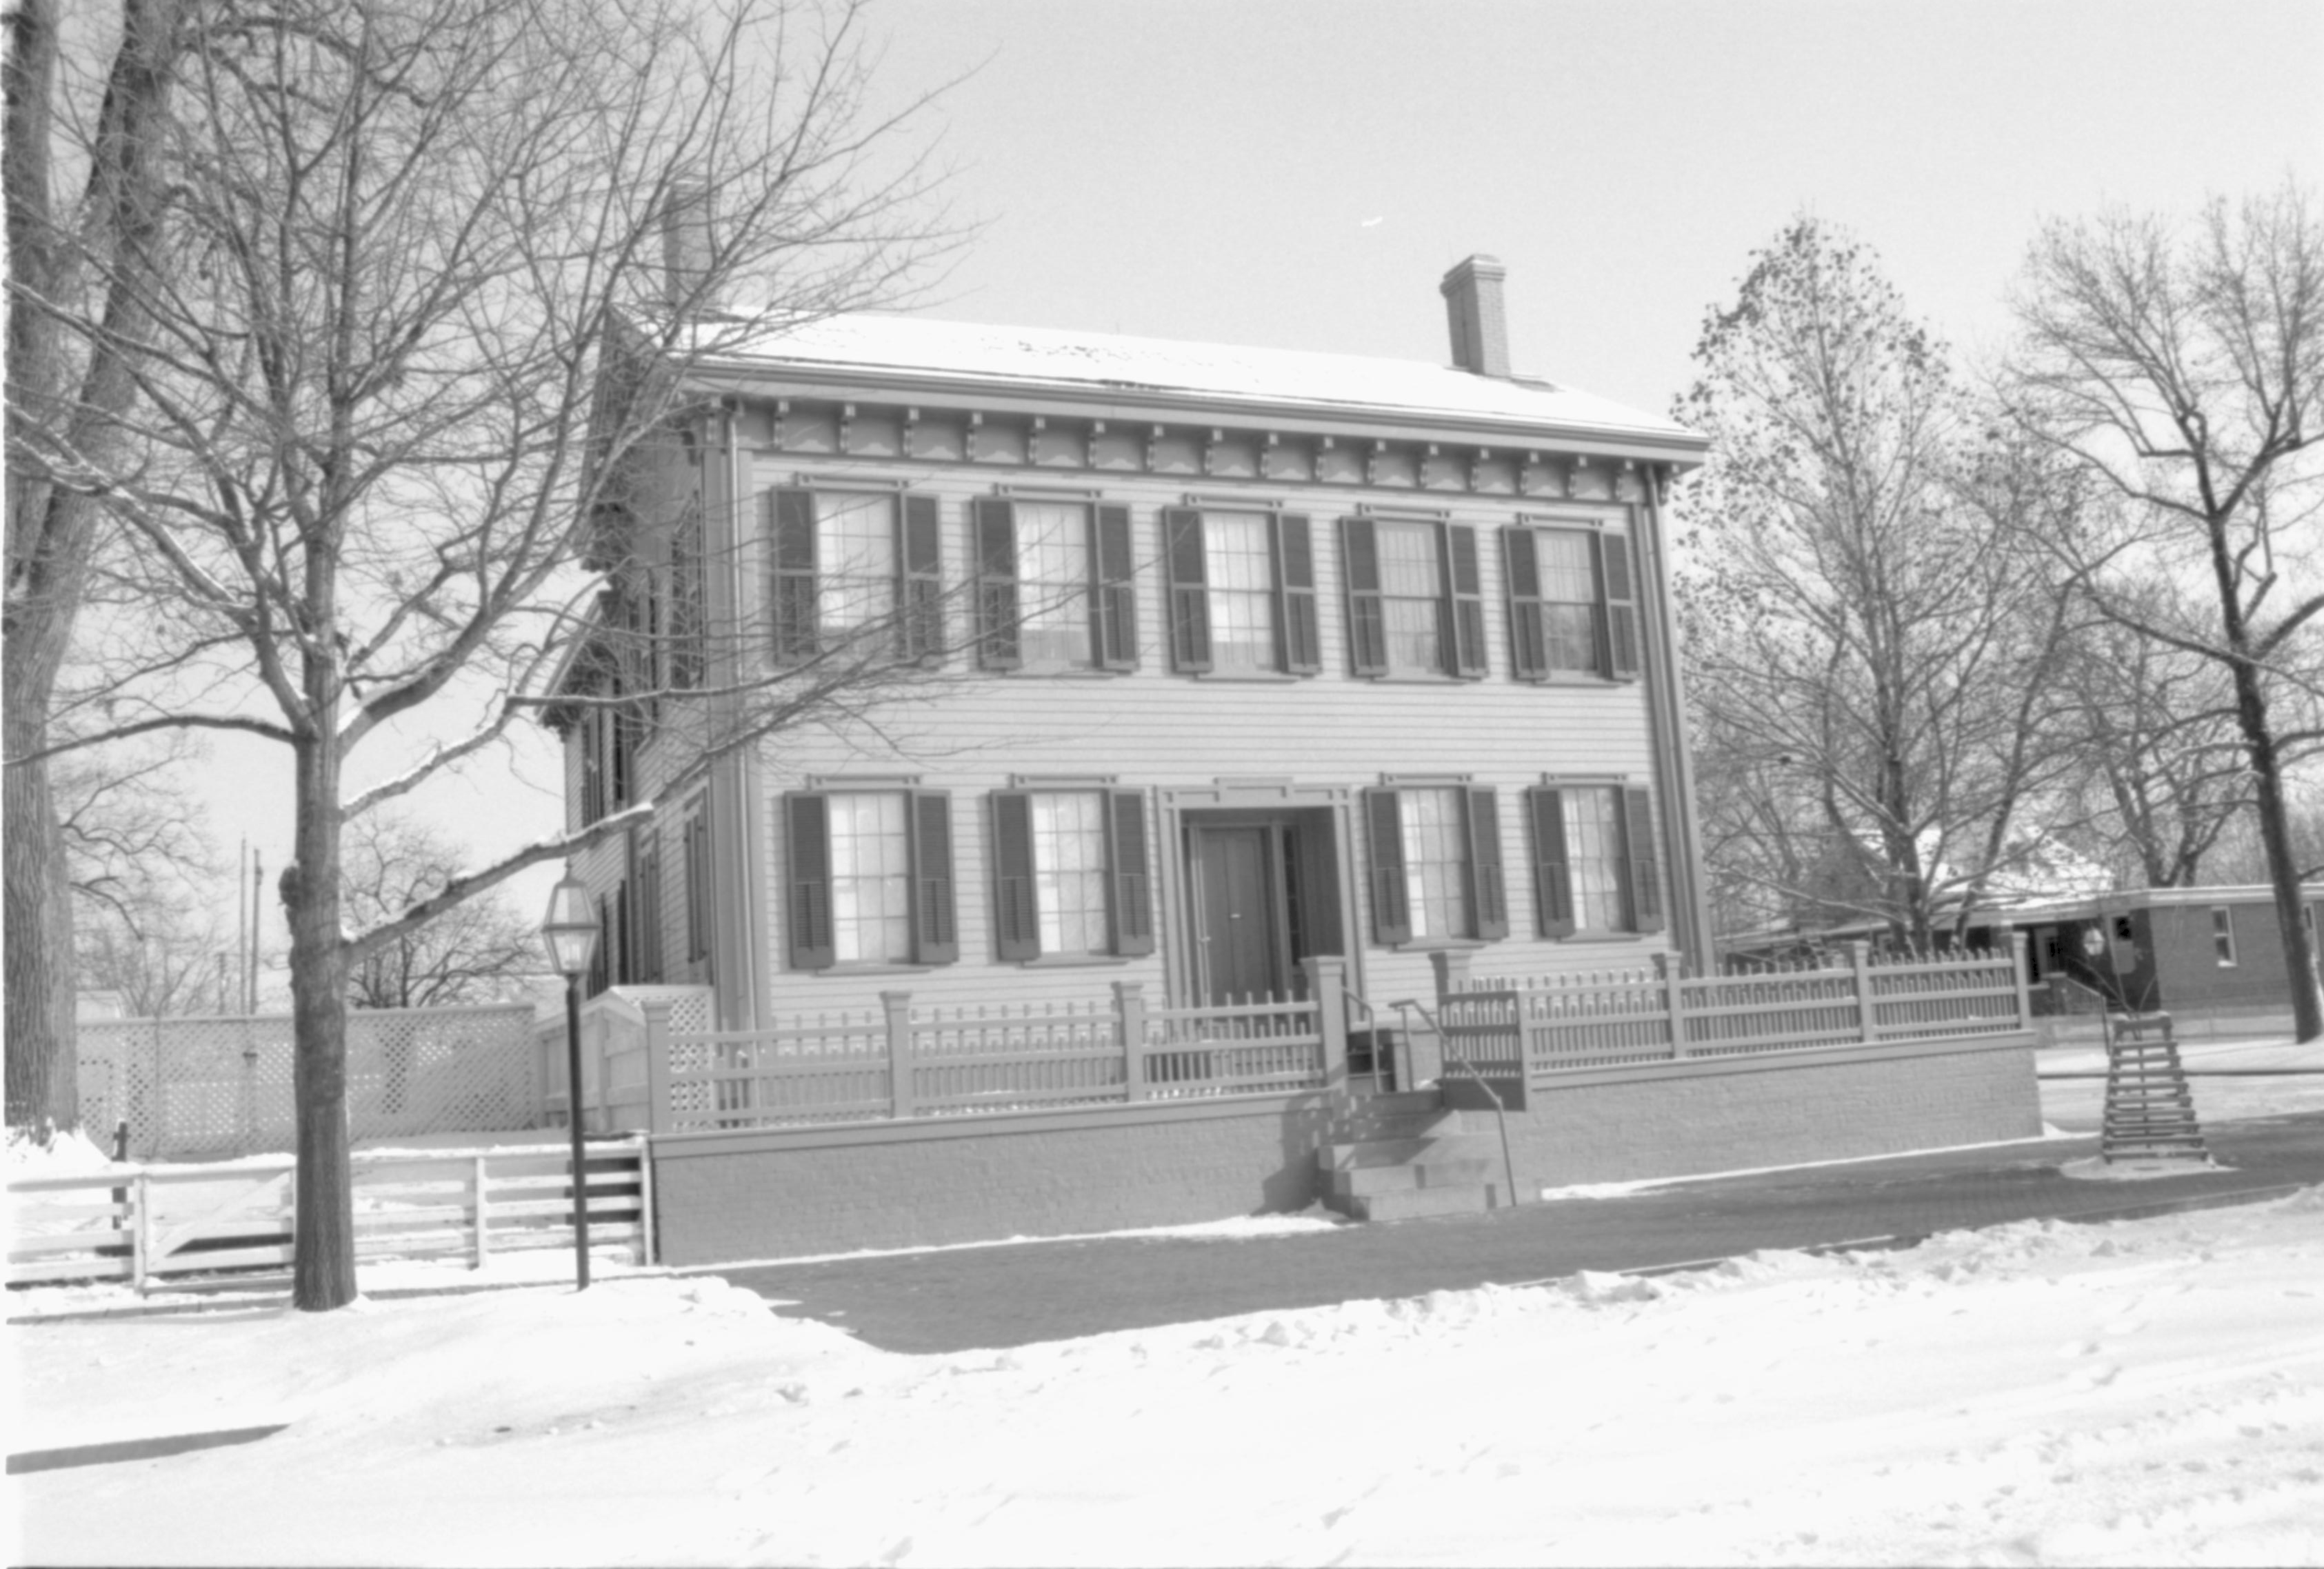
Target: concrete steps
(1399,1156)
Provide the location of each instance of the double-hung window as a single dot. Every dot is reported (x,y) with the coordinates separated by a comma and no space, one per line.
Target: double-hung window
(1053,585)
(855,571)
(1242,591)
(1593,859)
(1071,876)
(870,877)
(1572,603)
(1415,603)
(2223,936)
(1436,864)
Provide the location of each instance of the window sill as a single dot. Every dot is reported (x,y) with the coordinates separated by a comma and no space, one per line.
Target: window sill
(1412,679)
(1576,678)
(1075,962)
(1601,937)
(1441,946)
(1060,672)
(879,969)
(1259,678)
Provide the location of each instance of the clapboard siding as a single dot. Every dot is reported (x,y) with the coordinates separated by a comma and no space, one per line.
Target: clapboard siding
(1155,729)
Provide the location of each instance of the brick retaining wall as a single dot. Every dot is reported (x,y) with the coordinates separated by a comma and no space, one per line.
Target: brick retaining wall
(763,1194)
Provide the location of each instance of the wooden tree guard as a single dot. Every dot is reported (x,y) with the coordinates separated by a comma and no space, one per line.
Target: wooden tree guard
(2149,1116)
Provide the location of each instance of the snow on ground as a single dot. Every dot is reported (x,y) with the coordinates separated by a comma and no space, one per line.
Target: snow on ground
(2146,1392)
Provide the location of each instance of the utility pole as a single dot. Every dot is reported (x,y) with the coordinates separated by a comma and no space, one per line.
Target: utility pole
(257,882)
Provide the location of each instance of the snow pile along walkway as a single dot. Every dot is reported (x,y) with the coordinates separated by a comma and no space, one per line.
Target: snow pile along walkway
(2149,1391)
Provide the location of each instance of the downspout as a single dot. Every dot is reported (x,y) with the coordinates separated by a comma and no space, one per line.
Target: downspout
(1674,759)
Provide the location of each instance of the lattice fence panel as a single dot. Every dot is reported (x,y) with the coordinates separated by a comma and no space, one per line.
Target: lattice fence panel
(221,1086)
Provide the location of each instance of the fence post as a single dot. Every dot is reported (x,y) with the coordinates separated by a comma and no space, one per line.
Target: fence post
(658,1111)
(605,1029)
(1868,1016)
(484,1217)
(2017,941)
(141,1229)
(1129,1018)
(899,1005)
(1667,966)
(1327,980)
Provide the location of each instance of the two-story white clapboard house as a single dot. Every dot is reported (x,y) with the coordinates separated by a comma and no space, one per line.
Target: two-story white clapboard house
(1266,654)
(1228,675)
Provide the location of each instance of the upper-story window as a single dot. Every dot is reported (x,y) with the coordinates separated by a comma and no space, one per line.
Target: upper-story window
(854,572)
(1054,585)
(2223,936)
(1242,591)
(1415,598)
(1572,603)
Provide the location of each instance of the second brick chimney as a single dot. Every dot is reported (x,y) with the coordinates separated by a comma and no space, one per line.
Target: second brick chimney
(1472,308)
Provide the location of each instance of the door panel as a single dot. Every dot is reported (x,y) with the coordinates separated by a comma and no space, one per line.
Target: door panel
(1236,913)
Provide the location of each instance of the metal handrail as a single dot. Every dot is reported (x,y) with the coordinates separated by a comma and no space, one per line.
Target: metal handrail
(1372,1014)
(1500,1112)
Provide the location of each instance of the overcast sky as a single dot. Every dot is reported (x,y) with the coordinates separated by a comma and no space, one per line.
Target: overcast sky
(1299,175)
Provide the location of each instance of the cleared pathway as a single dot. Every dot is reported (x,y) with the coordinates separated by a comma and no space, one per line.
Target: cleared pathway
(1019,1293)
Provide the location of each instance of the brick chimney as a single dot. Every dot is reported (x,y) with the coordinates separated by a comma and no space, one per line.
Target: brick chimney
(1472,308)
(686,248)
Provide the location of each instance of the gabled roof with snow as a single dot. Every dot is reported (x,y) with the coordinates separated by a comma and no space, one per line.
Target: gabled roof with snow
(1104,366)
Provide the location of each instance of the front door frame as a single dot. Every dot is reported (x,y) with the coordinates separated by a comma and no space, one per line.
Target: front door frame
(1260,799)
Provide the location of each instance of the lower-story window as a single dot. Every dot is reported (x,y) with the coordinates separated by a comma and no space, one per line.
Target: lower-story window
(1436,864)
(1072,873)
(870,877)
(1594,864)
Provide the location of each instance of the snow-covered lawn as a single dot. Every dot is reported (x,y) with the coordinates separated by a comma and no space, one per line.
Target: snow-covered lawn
(2147,1391)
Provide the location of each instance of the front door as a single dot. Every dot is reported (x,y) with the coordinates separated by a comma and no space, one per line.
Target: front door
(1240,919)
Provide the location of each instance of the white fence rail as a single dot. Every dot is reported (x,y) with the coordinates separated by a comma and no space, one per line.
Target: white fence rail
(143,1223)
(215,1086)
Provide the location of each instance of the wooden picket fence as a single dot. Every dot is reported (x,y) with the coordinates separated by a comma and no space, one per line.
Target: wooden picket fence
(1609,1019)
(141,1223)
(902,1061)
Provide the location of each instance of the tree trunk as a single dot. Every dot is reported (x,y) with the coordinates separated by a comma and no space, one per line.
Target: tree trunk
(323,1249)
(2275,838)
(52,532)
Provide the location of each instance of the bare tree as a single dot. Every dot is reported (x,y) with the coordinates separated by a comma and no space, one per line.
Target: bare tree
(171,962)
(419,254)
(2158,765)
(1868,661)
(2182,368)
(472,952)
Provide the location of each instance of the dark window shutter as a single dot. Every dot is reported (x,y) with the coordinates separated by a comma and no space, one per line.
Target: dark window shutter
(1529,634)
(1297,625)
(922,597)
(588,737)
(1552,877)
(791,523)
(807,834)
(1488,883)
(1645,872)
(997,646)
(688,653)
(1131,885)
(1016,919)
(1619,582)
(1391,913)
(1467,601)
(1367,616)
(1113,634)
(935,931)
(1190,593)
(625,970)
(697,887)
